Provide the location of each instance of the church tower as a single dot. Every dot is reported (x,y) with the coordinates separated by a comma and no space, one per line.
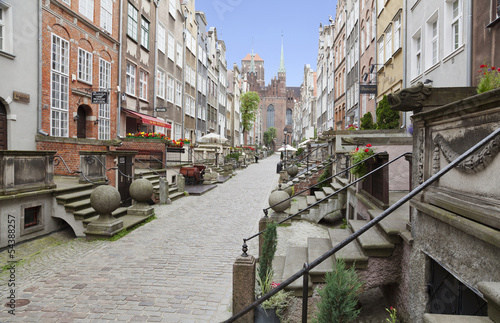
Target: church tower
(282,73)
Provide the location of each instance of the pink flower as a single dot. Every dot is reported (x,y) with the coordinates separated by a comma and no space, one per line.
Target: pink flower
(274,285)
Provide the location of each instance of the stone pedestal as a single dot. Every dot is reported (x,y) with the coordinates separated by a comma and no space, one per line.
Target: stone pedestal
(263,223)
(244,286)
(181,183)
(141,191)
(104,199)
(164,193)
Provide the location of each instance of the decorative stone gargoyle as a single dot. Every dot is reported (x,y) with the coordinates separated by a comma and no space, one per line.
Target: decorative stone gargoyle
(409,99)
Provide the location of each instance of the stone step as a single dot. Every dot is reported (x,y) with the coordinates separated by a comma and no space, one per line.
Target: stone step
(310,200)
(294,262)
(176,195)
(301,202)
(374,244)
(319,195)
(278,266)
(72,189)
(316,247)
(73,196)
(77,205)
(352,253)
(328,190)
(394,224)
(336,186)
(491,292)
(118,213)
(441,318)
(84,213)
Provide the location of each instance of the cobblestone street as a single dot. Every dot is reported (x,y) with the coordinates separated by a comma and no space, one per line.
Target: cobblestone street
(177,268)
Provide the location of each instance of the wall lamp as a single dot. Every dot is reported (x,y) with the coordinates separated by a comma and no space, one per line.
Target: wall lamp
(75,119)
(96,121)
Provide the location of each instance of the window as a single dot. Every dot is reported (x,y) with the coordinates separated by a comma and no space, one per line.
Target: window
(171,47)
(32,216)
(374,29)
(145,33)
(200,54)
(170,89)
(87,9)
(497,9)
(178,93)
(456,40)
(193,77)
(270,116)
(2,25)
(380,6)
(160,90)
(172,7)
(59,87)
(161,38)
(362,40)
(130,79)
(132,22)
(143,85)
(84,66)
(289,116)
(388,43)
(397,32)
(381,52)
(104,110)
(434,46)
(417,48)
(187,104)
(179,55)
(178,131)
(198,84)
(107,15)
(188,40)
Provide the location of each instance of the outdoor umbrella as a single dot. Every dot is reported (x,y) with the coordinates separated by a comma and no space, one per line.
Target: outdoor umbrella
(212,137)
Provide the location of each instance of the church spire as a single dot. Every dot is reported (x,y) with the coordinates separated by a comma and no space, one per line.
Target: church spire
(252,63)
(282,60)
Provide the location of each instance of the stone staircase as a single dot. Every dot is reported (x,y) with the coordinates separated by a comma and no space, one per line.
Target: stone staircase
(154,178)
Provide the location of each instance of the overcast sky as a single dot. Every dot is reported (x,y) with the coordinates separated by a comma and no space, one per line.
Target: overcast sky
(240,21)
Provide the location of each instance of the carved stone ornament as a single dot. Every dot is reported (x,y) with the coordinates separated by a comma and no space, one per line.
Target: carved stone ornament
(410,98)
(474,163)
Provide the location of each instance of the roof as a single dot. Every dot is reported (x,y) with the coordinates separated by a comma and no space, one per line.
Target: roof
(255,58)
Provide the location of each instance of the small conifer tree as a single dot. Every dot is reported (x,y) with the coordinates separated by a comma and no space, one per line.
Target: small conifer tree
(367,122)
(339,296)
(268,250)
(386,117)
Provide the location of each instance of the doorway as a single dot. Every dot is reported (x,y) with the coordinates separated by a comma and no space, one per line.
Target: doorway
(3,127)
(81,123)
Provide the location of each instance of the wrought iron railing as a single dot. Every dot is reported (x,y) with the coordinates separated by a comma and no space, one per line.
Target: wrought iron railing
(57,159)
(313,170)
(304,272)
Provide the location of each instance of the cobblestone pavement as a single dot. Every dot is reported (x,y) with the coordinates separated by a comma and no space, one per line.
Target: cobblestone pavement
(177,268)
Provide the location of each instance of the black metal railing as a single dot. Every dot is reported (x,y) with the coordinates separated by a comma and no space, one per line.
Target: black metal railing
(308,266)
(266,210)
(313,170)
(300,159)
(90,159)
(57,159)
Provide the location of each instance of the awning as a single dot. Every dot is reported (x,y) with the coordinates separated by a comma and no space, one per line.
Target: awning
(148,119)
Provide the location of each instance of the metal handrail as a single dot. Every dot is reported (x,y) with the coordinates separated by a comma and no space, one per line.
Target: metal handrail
(329,178)
(313,171)
(166,166)
(307,267)
(56,163)
(301,158)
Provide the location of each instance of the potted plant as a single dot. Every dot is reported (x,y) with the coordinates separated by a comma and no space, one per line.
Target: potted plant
(271,310)
(358,155)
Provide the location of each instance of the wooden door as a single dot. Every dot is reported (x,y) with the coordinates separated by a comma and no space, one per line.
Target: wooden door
(3,127)
(81,126)
(124,179)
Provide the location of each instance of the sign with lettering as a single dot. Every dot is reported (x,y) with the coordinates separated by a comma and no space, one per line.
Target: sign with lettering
(100,97)
(368,89)
(161,109)
(23,97)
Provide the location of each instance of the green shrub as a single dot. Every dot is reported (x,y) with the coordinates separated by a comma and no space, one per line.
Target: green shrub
(267,252)
(367,122)
(326,174)
(339,296)
(386,117)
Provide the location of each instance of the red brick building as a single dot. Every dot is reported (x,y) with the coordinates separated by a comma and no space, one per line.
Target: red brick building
(80,55)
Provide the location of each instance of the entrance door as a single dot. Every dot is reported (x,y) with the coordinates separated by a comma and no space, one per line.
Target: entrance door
(3,127)
(125,167)
(81,126)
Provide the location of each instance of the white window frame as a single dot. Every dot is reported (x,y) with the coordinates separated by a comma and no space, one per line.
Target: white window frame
(170,88)
(171,47)
(162,32)
(198,83)
(131,71)
(397,33)
(86,8)
(2,27)
(160,88)
(143,84)
(177,131)
(172,8)
(107,15)
(59,87)
(6,30)
(388,43)
(380,47)
(456,25)
(132,21)
(104,109)
(84,66)
(200,54)
(434,42)
(179,55)
(178,93)
(417,50)
(144,33)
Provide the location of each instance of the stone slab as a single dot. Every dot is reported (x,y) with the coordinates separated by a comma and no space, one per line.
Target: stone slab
(352,253)
(316,247)
(372,242)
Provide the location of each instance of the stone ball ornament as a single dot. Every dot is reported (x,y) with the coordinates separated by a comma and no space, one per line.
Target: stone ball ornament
(276,197)
(293,170)
(105,199)
(141,190)
(289,188)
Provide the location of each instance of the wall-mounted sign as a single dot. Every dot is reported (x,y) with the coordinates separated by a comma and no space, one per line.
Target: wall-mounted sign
(100,97)
(22,97)
(161,109)
(368,89)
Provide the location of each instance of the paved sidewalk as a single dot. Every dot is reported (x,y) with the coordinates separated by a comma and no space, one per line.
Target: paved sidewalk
(177,268)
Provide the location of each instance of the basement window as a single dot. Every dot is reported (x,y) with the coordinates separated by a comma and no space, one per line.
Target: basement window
(32,219)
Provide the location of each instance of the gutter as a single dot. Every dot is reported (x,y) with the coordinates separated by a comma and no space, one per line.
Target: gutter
(120,43)
(39,90)
(405,60)
(157,4)
(469,45)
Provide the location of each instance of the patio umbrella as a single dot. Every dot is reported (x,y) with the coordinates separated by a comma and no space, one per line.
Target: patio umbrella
(287,148)
(212,137)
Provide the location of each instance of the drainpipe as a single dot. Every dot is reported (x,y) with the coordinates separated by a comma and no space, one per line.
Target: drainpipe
(469,45)
(183,71)
(405,60)
(118,118)
(39,90)
(157,4)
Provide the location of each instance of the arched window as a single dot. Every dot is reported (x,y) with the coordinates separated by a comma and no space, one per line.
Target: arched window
(289,117)
(270,116)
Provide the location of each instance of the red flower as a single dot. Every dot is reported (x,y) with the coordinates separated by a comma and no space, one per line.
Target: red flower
(367,150)
(357,149)
(479,67)
(392,308)
(493,68)
(368,145)
(498,69)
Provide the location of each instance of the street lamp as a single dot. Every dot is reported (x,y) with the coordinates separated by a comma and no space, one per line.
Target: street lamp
(284,144)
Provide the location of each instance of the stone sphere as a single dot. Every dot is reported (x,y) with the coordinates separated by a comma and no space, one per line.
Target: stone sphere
(293,170)
(141,190)
(105,199)
(289,188)
(276,197)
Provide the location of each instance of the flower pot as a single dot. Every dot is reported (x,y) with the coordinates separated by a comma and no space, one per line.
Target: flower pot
(265,315)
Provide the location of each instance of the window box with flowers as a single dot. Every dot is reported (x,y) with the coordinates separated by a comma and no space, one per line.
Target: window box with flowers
(489,78)
(359,154)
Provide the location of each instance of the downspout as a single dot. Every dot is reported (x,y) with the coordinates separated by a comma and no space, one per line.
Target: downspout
(405,60)
(469,45)
(39,90)
(157,3)
(118,118)
(183,73)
